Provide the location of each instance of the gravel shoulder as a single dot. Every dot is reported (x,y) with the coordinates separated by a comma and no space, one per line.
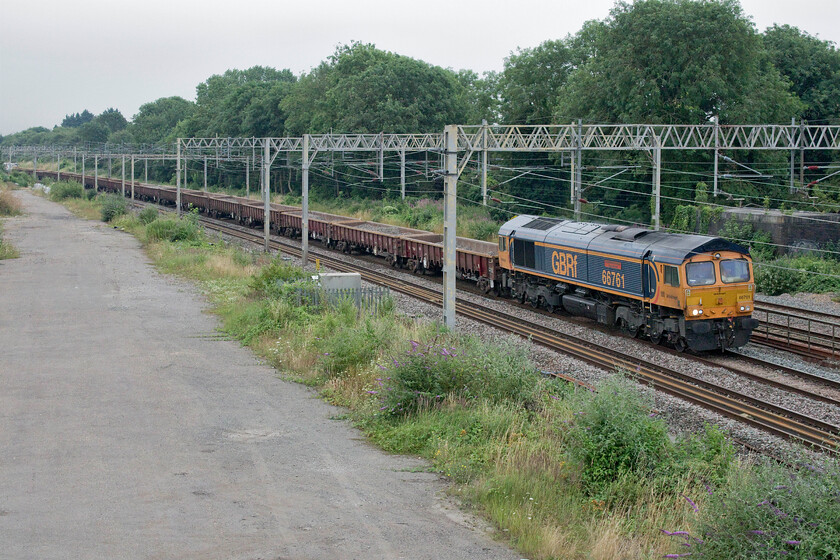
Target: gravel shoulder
(130,429)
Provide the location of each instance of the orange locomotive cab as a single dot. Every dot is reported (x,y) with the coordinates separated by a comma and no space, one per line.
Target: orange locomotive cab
(719,298)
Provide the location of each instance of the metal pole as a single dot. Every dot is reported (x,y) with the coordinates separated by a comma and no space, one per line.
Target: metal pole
(35,168)
(58,166)
(578,191)
(266,190)
(715,179)
(402,174)
(450,224)
(657,163)
(123,176)
(792,156)
(178,176)
(132,178)
(381,156)
(484,162)
(146,170)
(74,160)
(96,173)
(109,166)
(247,177)
(83,172)
(304,164)
(801,155)
(205,173)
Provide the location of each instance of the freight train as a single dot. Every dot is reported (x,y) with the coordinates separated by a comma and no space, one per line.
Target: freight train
(692,292)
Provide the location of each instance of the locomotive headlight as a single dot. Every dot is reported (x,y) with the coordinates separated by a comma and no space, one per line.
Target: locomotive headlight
(743,308)
(696,312)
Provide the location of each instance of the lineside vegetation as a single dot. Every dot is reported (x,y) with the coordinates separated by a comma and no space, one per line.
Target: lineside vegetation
(557,472)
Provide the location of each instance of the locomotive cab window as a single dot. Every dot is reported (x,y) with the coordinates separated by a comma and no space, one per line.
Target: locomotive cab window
(672,275)
(734,270)
(700,273)
(503,244)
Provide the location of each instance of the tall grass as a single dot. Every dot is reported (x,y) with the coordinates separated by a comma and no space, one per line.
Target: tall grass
(9,204)
(66,189)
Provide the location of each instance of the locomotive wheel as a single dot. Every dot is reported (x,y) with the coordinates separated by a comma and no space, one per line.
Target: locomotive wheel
(681,345)
(655,337)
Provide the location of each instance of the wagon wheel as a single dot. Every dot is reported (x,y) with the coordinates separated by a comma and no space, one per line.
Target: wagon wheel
(627,329)
(656,337)
(681,345)
(522,297)
(550,308)
(535,302)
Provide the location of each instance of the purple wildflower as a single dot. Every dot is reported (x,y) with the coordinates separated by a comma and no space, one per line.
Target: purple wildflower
(682,555)
(708,489)
(756,532)
(794,543)
(372,392)
(693,505)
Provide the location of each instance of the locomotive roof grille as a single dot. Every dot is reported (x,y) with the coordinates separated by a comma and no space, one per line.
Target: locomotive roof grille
(543,224)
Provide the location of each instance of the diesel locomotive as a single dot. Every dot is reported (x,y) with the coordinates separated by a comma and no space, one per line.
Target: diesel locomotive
(690,291)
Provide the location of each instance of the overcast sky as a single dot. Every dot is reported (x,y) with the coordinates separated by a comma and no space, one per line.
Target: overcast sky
(59,56)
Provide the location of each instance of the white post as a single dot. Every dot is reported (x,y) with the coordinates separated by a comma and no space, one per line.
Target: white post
(715,179)
(792,156)
(381,156)
(578,190)
(58,166)
(123,176)
(146,170)
(205,173)
(178,176)
(657,164)
(266,191)
(484,162)
(247,177)
(402,174)
(450,224)
(96,173)
(305,202)
(132,178)
(83,172)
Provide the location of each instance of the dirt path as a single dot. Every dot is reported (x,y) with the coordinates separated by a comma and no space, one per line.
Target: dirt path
(129,430)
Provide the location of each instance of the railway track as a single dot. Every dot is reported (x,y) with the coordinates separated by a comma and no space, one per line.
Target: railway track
(743,408)
(813,335)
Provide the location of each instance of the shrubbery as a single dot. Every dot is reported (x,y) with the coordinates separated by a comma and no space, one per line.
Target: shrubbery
(113,205)
(174,229)
(147,215)
(468,370)
(66,189)
(770,511)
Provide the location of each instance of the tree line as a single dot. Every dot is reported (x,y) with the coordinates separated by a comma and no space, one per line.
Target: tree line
(650,61)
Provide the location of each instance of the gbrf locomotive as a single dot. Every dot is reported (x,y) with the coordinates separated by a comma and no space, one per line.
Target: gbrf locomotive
(692,291)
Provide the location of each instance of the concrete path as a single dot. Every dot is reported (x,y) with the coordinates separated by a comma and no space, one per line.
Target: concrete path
(129,430)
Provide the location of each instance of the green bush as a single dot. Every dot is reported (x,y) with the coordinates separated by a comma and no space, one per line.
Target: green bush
(173,229)
(613,435)
(771,511)
(66,189)
(90,194)
(22,179)
(147,215)
(113,205)
(347,341)
(797,274)
(475,371)
(268,281)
